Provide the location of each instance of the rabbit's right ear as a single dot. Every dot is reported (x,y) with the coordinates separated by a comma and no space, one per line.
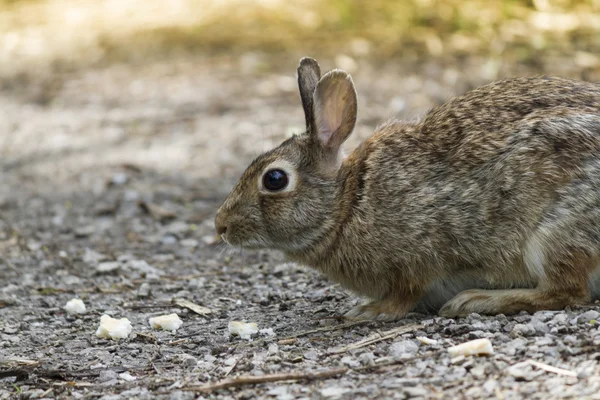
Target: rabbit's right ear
(309,74)
(335,108)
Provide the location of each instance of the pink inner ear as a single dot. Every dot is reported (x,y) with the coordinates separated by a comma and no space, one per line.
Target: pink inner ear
(334,105)
(330,114)
(325,134)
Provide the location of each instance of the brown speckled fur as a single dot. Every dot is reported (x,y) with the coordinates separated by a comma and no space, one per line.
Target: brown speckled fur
(489,204)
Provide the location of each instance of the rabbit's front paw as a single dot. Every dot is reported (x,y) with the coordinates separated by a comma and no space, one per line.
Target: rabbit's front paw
(381,310)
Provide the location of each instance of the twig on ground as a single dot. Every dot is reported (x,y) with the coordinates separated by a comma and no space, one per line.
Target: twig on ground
(147,306)
(230,369)
(19,373)
(377,337)
(188,277)
(550,368)
(21,361)
(49,290)
(284,342)
(253,380)
(174,342)
(81,373)
(392,363)
(327,329)
(62,374)
(297,376)
(74,384)
(147,336)
(156,369)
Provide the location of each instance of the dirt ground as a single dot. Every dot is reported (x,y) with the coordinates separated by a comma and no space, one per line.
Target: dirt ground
(109,181)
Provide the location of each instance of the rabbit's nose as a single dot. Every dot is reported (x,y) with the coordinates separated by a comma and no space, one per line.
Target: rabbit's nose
(220,224)
(221,229)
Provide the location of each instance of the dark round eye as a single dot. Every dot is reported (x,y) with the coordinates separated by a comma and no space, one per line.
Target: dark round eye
(275,179)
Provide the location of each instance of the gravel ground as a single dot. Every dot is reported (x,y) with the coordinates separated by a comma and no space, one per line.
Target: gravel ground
(110,181)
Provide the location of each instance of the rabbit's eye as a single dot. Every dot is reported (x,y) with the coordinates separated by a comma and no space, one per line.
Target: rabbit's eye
(275,179)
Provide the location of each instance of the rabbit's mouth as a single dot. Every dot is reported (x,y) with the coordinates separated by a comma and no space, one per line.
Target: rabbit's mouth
(224,238)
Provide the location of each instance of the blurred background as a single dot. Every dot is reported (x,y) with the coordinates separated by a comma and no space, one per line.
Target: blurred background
(194,89)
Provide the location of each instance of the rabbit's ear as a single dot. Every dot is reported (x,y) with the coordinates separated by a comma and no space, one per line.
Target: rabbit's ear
(309,74)
(334,105)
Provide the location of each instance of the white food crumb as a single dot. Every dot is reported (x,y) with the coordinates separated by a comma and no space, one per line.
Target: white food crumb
(267,332)
(426,340)
(244,330)
(170,322)
(75,306)
(111,328)
(474,347)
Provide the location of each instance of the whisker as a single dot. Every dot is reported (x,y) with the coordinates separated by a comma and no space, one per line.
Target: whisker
(221,248)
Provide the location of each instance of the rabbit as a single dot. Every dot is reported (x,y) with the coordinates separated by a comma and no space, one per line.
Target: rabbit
(489,204)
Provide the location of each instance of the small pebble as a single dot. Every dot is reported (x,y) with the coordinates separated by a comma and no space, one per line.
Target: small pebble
(144,290)
(403,349)
(107,266)
(524,329)
(311,355)
(107,375)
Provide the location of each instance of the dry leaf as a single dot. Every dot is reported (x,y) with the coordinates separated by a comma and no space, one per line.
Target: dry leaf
(157,212)
(193,306)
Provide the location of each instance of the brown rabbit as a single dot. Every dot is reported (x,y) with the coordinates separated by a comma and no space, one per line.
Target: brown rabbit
(490,204)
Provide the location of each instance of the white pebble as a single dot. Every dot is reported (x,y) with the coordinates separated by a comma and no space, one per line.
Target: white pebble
(119,178)
(112,328)
(75,306)
(474,347)
(334,392)
(426,340)
(170,322)
(108,266)
(242,329)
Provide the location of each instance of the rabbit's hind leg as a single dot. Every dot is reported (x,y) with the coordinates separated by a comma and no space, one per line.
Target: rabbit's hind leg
(564,283)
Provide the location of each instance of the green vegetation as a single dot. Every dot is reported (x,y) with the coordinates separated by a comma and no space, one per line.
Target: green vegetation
(61,30)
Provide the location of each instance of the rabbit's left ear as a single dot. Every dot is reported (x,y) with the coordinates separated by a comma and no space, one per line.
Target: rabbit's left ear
(309,74)
(335,108)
